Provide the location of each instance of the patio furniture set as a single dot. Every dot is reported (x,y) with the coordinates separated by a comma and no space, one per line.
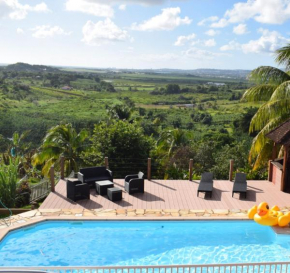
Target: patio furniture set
(101,179)
(206,184)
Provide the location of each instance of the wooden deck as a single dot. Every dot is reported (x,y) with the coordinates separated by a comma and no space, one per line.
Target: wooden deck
(174,194)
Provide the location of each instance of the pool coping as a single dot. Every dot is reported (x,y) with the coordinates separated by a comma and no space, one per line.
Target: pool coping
(41,215)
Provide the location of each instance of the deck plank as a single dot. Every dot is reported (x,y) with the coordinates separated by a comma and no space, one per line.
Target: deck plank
(174,194)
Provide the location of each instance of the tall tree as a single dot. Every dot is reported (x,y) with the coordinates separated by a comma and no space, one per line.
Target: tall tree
(274,90)
(123,142)
(61,140)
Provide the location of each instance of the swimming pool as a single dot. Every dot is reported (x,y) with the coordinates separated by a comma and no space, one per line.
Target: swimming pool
(122,243)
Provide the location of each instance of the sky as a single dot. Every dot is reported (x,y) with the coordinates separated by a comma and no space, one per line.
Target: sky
(144,34)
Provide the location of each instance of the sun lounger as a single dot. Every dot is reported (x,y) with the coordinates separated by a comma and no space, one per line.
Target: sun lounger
(240,184)
(206,183)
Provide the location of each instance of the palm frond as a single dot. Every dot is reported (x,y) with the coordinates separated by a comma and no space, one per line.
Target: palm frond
(24,135)
(268,111)
(47,165)
(281,92)
(82,136)
(15,138)
(262,92)
(263,156)
(268,75)
(283,56)
(260,141)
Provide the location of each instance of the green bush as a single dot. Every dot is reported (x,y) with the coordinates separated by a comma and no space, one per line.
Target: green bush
(8,182)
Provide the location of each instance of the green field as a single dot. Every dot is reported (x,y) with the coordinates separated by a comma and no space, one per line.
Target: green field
(42,107)
(45,104)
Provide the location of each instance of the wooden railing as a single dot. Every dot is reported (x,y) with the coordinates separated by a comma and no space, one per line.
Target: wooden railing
(275,267)
(40,190)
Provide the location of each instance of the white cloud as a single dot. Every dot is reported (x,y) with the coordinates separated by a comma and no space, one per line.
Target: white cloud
(103,32)
(262,11)
(202,54)
(207,43)
(232,45)
(268,42)
(104,8)
(16,11)
(240,29)
(90,7)
(206,20)
(133,2)
(181,40)
(168,20)
(45,31)
(122,7)
(20,31)
(220,24)
(210,43)
(212,32)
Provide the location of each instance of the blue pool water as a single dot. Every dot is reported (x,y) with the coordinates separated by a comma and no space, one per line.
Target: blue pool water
(107,243)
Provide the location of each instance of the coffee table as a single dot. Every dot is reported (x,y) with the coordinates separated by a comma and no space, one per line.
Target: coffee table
(102,186)
(114,194)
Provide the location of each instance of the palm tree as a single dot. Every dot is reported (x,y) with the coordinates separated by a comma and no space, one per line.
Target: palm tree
(168,143)
(61,140)
(274,90)
(170,140)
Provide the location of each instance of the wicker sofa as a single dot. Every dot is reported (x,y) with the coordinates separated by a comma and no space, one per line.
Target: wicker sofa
(93,174)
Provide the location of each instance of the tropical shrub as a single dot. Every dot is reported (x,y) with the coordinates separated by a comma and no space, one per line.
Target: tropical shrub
(8,182)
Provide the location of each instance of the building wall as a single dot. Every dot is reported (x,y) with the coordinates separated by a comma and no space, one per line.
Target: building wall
(276,175)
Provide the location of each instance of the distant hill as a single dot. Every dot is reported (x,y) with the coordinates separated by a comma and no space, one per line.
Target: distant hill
(217,73)
(23,67)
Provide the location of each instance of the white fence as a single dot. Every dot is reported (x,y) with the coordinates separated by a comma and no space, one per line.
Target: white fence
(40,190)
(274,267)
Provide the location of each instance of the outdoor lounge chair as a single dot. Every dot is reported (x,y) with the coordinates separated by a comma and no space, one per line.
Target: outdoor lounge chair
(134,183)
(93,174)
(206,183)
(240,184)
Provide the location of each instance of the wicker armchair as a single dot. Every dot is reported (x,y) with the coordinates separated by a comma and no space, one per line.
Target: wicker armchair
(134,183)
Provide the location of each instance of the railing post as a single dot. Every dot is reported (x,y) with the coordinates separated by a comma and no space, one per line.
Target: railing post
(62,167)
(190,169)
(107,162)
(285,160)
(231,169)
(149,169)
(52,183)
(270,171)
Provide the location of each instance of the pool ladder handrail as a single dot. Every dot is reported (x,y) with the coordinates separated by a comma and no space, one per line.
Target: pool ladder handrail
(6,220)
